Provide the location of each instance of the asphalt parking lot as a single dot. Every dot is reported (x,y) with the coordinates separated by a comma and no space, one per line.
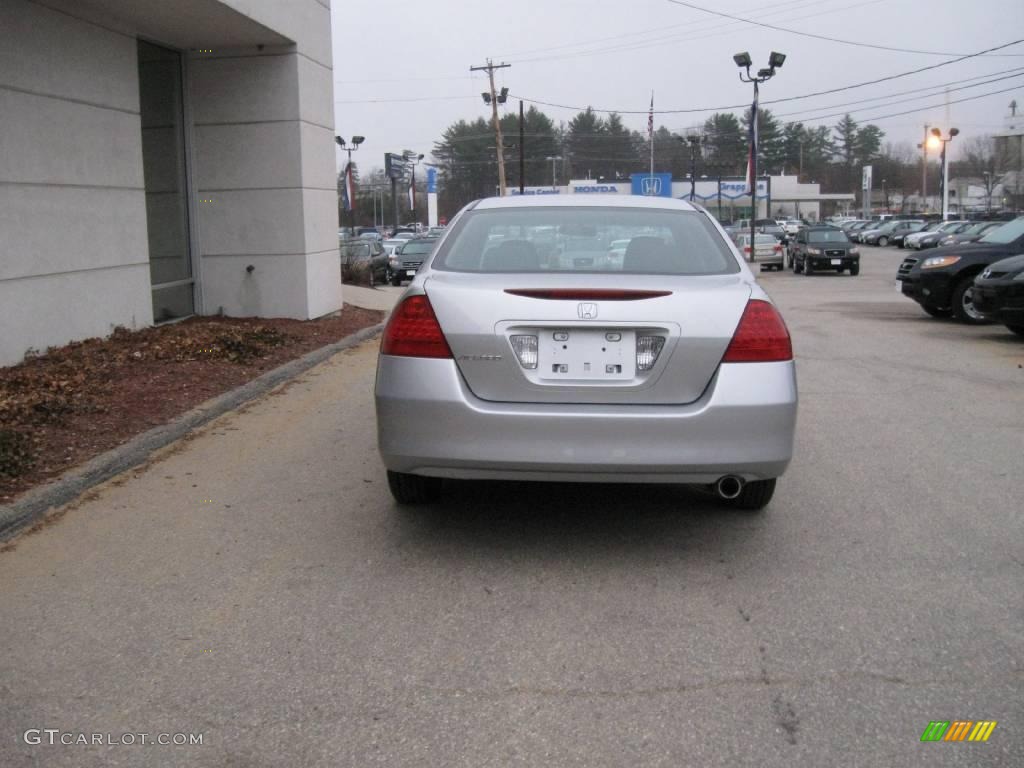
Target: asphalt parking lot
(256,584)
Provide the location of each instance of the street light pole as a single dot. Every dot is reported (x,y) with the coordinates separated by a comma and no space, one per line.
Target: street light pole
(553,159)
(945,168)
(744,62)
(349,187)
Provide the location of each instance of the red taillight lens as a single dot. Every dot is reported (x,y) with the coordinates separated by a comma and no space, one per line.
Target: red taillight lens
(746,249)
(761,336)
(413,331)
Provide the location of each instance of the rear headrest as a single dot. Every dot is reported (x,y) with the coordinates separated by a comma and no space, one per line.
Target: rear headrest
(649,254)
(511,256)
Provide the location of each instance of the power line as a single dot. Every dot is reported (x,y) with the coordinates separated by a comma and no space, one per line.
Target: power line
(774,101)
(921,109)
(1017,72)
(695,7)
(640,33)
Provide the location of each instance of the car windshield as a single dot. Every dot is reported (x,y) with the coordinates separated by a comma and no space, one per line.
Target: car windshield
(1007,233)
(661,241)
(827,236)
(417,247)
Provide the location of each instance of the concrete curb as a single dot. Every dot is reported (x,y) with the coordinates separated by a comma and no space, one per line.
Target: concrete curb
(33,505)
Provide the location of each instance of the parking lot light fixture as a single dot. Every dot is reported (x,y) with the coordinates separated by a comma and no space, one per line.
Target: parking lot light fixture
(744,62)
(937,134)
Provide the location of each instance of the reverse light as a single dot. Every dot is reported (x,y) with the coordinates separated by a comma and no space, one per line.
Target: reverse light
(525,348)
(647,350)
(760,337)
(936,262)
(413,331)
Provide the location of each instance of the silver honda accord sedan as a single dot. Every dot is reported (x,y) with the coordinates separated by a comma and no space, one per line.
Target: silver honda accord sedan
(529,347)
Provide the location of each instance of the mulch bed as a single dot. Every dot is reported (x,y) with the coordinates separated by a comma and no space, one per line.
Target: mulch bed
(71,403)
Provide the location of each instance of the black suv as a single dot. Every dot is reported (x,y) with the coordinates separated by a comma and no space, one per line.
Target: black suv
(408,257)
(817,249)
(942,282)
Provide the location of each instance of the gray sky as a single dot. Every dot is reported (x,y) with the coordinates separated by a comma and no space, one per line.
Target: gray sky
(613,53)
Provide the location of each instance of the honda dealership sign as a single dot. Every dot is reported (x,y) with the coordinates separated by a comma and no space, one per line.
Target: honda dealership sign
(652,184)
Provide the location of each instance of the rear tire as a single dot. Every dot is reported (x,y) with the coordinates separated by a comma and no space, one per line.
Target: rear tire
(414,489)
(754,496)
(963,304)
(396,281)
(855,270)
(1018,329)
(808,267)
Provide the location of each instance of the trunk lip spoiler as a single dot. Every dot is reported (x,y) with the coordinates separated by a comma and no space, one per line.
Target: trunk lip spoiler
(588,294)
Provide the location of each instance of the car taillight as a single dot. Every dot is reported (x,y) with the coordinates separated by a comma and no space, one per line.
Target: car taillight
(746,249)
(761,336)
(413,331)
(777,248)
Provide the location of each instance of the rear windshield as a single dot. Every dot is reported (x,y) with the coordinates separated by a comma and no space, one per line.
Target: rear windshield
(827,236)
(578,239)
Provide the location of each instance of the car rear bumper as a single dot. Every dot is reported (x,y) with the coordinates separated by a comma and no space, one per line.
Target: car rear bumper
(429,423)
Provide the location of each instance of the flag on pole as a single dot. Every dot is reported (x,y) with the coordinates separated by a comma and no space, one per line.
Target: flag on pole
(348,190)
(650,131)
(751,181)
(412,196)
(650,119)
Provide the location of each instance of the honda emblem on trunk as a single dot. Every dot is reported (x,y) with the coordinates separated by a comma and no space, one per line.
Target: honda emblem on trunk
(586,311)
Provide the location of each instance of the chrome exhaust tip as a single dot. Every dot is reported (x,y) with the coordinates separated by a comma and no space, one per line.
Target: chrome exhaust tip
(729,486)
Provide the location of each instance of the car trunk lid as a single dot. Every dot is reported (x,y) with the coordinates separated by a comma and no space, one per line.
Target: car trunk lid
(587,331)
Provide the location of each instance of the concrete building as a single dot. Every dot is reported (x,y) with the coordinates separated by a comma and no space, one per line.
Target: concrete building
(161,159)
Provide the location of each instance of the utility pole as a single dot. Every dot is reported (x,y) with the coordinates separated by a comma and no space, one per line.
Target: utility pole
(494,99)
(522,156)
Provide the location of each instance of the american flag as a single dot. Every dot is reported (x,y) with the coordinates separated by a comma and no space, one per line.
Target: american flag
(751,181)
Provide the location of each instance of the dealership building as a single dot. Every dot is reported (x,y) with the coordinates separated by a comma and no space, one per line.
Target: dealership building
(727,198)
(161,159)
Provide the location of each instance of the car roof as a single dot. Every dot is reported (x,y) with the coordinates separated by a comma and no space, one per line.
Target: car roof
(583,201)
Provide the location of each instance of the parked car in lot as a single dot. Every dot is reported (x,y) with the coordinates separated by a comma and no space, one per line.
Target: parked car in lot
(856,228)
(885,234)
(768,251)
(932,235)
(898,237)
(970,234)
(673,368)
(792,226)
(823,248)
(910,239)
(407,258)
(943,281)
(391,244)
(364,250)
(999,293)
